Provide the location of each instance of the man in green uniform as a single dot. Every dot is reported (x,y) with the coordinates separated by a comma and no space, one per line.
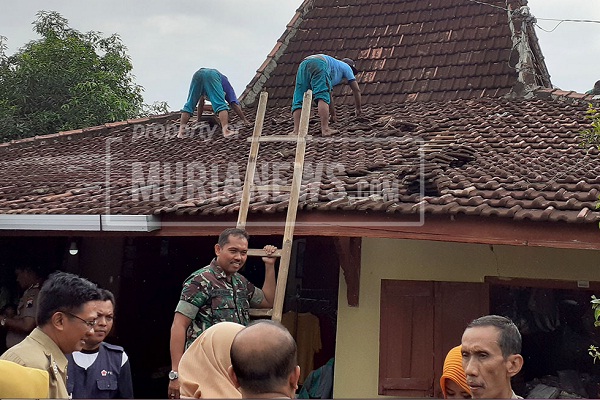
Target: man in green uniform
(217,293)
(66,317)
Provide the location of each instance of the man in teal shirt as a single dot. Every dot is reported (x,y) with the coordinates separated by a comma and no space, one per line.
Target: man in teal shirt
(320,73)
(595,90)
(208,83)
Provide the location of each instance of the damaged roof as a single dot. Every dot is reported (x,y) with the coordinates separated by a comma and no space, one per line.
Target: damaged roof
(450,126)
(510,158)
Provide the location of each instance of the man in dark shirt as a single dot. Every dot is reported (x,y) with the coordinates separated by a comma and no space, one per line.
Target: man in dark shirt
(100,370)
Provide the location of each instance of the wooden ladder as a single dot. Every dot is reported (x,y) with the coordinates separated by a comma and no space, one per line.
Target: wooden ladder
(288,236)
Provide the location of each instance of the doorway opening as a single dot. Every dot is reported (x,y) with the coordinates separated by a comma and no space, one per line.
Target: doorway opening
(556,322)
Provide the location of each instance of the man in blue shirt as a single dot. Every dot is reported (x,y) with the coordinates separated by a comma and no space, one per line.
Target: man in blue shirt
(210,83)
(100,370)
(320,73)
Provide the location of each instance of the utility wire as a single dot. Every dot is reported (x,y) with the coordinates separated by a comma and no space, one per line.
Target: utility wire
(560,21)
(551,30)
(569,20)
(488,4)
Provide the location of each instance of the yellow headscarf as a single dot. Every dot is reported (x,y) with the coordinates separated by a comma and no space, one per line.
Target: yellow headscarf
(453,369)
(203,367)
(17,381)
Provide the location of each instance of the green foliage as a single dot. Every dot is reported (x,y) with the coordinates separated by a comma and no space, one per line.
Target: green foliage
(593,351)
(158,107)
(591,137)
(66,80)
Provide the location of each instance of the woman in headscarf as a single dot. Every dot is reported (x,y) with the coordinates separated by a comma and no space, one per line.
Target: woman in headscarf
(454,380)
(203,367)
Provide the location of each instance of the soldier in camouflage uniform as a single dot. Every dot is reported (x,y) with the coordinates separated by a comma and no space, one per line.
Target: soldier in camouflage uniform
(217,293)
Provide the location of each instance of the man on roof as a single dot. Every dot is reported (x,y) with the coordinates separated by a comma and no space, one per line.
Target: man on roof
(595,90)
(320,73)
(210,84)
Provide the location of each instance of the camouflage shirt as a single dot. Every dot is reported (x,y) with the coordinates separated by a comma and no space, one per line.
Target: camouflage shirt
(209,297)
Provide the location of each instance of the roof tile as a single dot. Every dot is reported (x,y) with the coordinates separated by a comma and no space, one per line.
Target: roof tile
(432,76)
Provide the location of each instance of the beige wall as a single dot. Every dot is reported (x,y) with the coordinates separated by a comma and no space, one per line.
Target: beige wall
(357,346)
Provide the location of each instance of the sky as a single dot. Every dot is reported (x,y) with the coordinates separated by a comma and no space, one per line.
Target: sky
(169,40)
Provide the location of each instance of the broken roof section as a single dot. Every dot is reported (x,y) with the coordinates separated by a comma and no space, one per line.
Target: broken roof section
(410,50)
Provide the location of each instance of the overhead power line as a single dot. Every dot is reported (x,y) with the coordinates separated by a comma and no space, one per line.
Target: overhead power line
(560,21)
(488,4)
(569,20)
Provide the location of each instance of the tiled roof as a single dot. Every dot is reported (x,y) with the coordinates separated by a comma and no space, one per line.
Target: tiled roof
(472,143)
(510,158)
(406,49)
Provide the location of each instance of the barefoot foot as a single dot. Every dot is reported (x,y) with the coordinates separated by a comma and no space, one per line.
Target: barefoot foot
(329,131)
(229,133)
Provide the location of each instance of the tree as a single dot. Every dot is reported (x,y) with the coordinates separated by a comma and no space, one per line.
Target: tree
(593,351)
(66,80)
(591,136)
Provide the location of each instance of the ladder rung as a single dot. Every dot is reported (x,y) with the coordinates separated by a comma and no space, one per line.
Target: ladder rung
(261,312)
(272,188)
(290,221)
(279,138)
(261,253)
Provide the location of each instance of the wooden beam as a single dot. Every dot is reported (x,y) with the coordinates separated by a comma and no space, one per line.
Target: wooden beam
(348,250)
(544,283)
(443,228)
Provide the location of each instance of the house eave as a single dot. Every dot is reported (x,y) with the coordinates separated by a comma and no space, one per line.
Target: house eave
(456,228)
(79,223)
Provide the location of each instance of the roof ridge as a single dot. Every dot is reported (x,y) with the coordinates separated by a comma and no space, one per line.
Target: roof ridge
(98,129)
(263,72)
(568,95)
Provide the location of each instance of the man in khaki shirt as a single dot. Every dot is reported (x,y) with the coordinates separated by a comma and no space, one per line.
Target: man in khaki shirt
(66,316)
(18,327)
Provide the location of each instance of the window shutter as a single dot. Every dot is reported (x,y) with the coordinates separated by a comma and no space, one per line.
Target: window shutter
(456,304)
(406,338)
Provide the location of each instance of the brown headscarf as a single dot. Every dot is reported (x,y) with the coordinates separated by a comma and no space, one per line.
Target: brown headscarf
(203,367)
(453,370)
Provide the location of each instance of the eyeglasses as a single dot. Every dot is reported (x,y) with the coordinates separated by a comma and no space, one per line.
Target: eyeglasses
(90,324)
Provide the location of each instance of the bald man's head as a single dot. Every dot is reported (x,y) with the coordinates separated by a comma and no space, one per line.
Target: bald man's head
(263,356)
